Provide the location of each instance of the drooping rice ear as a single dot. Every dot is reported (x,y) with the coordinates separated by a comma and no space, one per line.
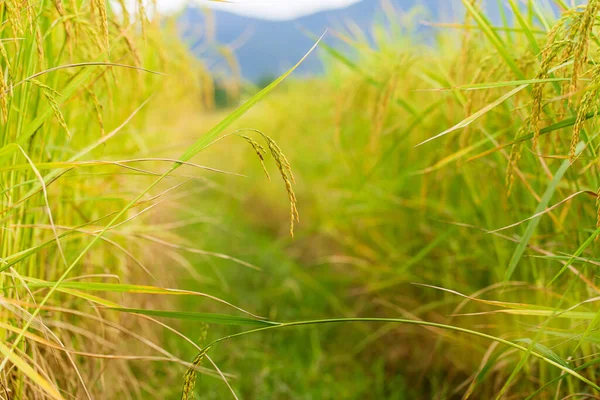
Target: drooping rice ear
(189,379)
(100,7)
(50,94)
(581,51)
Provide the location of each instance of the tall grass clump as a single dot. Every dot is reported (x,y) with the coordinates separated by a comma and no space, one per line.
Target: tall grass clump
(90,92)
(450,186)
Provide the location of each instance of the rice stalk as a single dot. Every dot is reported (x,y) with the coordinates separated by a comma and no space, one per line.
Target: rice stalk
(51,95)
(284,167)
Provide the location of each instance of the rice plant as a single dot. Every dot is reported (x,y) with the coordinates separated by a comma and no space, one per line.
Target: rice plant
(449,194)
(86,96)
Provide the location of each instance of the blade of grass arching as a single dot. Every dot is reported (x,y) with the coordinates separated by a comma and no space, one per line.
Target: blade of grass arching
(118,163)
(494,303)
(211,135)
(196,148)
(125,288)
(573,315)
(492,35)
(461,153)
(29,372)
(547,210)
(93,299)
(462,26)
(583,260)
(565,123)
(209,318)
(78,65)
(569,334)
(491,85)
(472,118)
(533,223)
(495,85)
(112,288)
(545,358)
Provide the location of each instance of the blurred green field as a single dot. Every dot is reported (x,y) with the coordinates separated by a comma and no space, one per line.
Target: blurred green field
(379,216)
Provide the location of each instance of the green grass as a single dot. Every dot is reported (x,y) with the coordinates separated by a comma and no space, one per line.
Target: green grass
(65,104)
(387,201)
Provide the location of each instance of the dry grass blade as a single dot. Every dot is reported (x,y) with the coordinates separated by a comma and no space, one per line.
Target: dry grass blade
(468,121)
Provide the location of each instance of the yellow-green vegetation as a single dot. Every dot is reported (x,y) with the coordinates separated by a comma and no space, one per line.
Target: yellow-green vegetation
(448,194)
(87,92)
(448,199)
(92,94)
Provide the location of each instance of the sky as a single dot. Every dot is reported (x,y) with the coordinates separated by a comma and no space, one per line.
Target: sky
(265,9)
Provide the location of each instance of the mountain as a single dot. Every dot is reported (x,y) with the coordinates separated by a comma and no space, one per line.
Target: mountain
(271,47)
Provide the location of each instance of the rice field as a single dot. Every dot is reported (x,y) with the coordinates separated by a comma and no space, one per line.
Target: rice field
(419,222)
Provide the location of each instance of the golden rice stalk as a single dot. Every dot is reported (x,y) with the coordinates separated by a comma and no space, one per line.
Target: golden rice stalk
(13,17)
(260,152)
(50,94)
(4,92)
(97,108)
(100,6)
(555,47)
(285,170)
(39,46)
(5,58)
(132,48)
(515,157)
(93,35)
(582,46)
(588,103)
(60,8)
(30,13)
(189,379)
(142,13)
(74,10)
(288,177)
